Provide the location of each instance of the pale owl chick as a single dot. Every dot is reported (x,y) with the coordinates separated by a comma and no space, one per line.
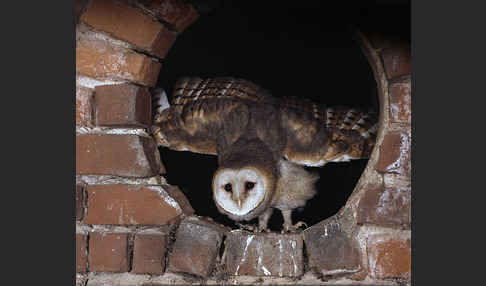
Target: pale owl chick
(262,142)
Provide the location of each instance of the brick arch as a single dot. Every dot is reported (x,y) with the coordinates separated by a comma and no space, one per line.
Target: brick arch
(373,227)
(150,228)
(124,210)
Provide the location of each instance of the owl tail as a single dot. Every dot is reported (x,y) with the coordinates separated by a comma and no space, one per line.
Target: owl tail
(159,102)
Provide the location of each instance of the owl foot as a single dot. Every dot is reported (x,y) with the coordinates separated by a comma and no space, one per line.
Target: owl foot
(289,228)
(248,227)
(263,220)
(263,229)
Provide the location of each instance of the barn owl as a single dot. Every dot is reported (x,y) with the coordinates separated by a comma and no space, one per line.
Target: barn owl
(262,143)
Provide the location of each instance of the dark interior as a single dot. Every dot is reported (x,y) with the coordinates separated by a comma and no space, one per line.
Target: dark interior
(299,48)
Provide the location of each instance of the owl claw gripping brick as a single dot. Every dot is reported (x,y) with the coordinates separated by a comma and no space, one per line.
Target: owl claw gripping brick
(262,143)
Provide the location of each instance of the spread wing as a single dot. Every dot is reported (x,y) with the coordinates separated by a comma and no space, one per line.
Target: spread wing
(317,134)
(204,112)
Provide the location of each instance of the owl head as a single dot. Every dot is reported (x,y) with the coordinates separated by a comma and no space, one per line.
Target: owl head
(244,184)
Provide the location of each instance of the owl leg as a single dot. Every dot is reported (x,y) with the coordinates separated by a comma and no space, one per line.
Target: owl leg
(287,225)
(287,216)
(263,220)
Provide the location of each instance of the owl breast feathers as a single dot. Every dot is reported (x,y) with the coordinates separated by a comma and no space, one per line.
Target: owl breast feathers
(262,142)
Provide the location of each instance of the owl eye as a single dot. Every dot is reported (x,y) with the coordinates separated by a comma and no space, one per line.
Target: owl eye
(228,188)
(249,185)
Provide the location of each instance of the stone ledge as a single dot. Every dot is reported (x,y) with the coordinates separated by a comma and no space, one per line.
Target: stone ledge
(263,254)
(196,247)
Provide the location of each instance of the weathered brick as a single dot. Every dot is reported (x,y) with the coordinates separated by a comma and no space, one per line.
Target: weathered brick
(122,155)
(264,254)
(395,153)
(131,205)
(177,14)
(400,102)
(126,23)
(79,201)
(196,247)
(83,105)
(100,60)
(81,280)
(330,250)
(108,252)
(81,253)
(176,193)
(396,181)
(149,254)
(122,105)
(389,256)
(388,207)
(397,61)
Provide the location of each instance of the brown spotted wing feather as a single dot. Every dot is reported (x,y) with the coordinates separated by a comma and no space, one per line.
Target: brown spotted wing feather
(204,112)
(192,90)
(317,134)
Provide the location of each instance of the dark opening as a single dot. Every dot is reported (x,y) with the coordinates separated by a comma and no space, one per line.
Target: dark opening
(300,48)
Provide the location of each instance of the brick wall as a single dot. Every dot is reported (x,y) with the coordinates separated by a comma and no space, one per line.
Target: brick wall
(132,228)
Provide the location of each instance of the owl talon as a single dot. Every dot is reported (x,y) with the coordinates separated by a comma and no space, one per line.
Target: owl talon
(300,224)
(248,227)
(293,228)
(263,229)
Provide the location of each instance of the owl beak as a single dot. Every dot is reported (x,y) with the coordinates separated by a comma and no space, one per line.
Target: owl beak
(238,200)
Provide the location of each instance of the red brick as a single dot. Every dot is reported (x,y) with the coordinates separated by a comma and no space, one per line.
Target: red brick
(394,154)
(126,23)
(108,252)
(149,254)
(130,205)
(389,257)
(122,105)
(196,247)
(264,254)
(79,201)
(176,193)
(397,61)
(164,43)
(388,207)
(83,105)
(177,14)
(81,253)
(100,60)
(391,181)
(331,251)
(400,102)
(122,155)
